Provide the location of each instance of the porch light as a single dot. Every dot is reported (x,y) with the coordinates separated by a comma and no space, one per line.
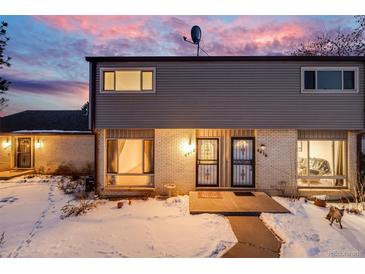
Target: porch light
(38,144)
(188,148)
(7,144)
(262,149)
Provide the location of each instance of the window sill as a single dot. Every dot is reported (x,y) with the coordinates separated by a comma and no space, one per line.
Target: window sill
(329,91)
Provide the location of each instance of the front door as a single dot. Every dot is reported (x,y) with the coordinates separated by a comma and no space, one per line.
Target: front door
(207,162)
(243,160)
(24,153)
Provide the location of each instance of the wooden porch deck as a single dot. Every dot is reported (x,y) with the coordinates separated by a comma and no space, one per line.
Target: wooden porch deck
(228,203)
(12,173)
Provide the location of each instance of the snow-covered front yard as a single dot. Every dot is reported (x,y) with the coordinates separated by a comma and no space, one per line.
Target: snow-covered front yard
(306,232)
(30,219)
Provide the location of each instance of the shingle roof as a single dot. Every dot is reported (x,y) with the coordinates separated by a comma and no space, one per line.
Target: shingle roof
(45,120)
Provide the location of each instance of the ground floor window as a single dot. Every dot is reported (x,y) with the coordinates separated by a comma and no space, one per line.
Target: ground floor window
(321,163)
(130,161)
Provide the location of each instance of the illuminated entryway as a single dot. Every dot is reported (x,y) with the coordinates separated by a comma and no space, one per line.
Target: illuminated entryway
(23,152)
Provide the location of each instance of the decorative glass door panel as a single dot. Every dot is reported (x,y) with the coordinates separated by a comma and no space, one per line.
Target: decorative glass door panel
(207,162)
(242,153)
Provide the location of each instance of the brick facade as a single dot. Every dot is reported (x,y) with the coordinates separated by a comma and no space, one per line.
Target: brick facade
(280,164)
(352,158)
(171,164)
(273,174)
(100,164)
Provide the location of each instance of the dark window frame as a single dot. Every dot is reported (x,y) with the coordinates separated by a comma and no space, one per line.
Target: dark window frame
(253,162)
(143,160)
(342,69)
(197,163)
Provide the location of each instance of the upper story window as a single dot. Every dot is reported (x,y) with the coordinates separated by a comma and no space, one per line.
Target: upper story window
(330,79)
(128,80)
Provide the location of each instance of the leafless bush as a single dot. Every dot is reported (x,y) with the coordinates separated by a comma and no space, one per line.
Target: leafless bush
(88,169)
(67,169)
(79,209)
(70,186)
(2,239)
(356,202)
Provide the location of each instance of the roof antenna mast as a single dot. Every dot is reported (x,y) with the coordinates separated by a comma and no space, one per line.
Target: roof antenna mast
(196,35)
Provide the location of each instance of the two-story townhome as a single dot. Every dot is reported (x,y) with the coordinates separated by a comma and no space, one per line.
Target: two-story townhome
(268,123)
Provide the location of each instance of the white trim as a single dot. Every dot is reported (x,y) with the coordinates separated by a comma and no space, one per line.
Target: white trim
(324,91)
(113,69)
(333,177)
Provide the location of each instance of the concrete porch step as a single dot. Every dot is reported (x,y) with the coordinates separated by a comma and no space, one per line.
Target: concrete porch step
(12,173)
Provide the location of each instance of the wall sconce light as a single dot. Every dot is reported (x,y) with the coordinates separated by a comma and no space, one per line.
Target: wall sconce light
(188,148)
(7,144)
(38,144)
(262,149)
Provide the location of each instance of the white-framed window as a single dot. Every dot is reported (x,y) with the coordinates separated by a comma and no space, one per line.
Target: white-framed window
(321,163)
(125,80)
(329,79)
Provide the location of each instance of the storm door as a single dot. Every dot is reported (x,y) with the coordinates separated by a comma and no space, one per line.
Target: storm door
(243,162)
(23,153)
(207,162)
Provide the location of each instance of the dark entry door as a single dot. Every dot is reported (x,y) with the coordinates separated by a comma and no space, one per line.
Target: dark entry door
(24,153)
(207,165)
(243,161)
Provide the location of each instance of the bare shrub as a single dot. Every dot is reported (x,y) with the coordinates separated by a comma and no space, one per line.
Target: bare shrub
(70,186)
(79,209)
(67,169)
(88,169)
(356,204)
(2,239)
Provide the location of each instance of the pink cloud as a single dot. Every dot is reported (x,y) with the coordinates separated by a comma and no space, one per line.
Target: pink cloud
(250,35)
(101,27)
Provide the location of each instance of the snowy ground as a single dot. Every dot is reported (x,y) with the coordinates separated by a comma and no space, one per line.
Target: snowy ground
(30,217)
(306,232)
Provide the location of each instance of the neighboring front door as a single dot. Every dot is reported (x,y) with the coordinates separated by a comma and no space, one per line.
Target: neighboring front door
(243,162)
(24,153)
(207,165)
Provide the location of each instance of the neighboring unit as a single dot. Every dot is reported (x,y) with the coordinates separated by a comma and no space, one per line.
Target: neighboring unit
(46,142)
(275,124)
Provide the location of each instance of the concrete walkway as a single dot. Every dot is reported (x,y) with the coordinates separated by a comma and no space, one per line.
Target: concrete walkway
(255,240)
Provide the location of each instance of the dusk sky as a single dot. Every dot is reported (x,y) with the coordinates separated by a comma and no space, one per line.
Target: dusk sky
(49,70)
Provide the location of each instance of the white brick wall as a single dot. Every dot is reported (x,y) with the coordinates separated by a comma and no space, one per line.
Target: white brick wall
(100,170)
(171,165)
(280,163)
(352,158)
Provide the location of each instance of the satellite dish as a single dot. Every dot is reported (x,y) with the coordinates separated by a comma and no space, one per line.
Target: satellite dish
(196,34)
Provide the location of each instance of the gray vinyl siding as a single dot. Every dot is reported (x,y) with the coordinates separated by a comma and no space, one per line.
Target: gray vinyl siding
(230,94)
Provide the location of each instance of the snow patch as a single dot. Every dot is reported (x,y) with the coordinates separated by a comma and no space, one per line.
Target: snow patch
(306,232)
(30,217)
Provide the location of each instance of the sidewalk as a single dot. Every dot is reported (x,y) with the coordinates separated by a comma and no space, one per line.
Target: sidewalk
(255,240)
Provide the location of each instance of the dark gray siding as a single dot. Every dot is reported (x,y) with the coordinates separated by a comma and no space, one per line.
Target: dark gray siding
(228,94)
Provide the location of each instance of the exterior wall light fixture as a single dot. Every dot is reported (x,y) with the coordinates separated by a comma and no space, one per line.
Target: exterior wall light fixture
(188,148)
(7,144)
(262,149)
(38,144)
